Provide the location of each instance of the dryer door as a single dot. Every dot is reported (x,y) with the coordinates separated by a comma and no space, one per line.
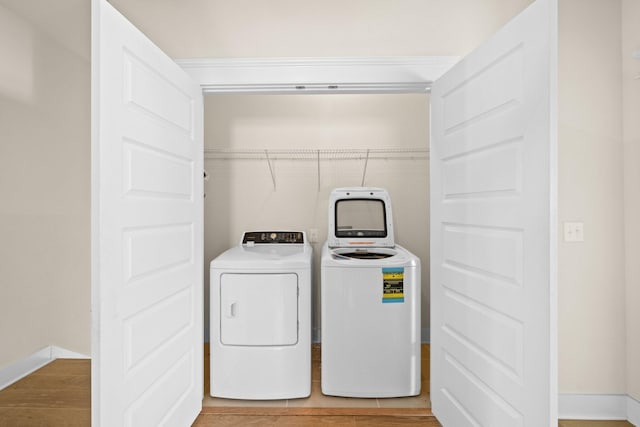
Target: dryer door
(259,309)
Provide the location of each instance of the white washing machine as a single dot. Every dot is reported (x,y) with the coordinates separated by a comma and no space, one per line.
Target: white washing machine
(260,318)
(370,299)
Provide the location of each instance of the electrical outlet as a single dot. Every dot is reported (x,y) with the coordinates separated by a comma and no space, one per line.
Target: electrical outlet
(574,232)
(313,235)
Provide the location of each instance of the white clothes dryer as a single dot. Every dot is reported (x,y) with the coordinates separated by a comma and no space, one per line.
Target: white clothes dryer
(260,318)
(370,301)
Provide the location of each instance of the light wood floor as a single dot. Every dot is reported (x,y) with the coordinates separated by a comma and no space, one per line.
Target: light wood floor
(59,394)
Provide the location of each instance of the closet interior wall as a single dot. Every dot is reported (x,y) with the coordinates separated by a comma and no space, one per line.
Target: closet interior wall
(249,192)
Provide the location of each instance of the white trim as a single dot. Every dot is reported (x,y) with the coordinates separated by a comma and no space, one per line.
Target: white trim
(318,75)
(20,369)
(633,411)
(592,406)
(24,367)
(63,353)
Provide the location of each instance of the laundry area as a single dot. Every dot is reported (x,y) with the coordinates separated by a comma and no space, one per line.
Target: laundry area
(272,163)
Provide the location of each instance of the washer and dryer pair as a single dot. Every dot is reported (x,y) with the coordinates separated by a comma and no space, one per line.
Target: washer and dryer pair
(370,306)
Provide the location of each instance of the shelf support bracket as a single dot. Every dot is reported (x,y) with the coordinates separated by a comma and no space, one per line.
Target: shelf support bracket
(318,167)
(273,176)
(364,171)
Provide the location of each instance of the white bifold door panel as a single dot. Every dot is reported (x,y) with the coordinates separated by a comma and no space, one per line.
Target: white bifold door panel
(493,226)
(259,309)
(147,247)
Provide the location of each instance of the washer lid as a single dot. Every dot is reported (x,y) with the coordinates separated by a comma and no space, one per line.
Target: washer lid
(368,257)
(360,217)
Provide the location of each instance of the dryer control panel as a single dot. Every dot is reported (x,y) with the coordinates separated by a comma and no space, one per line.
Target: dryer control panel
(277,237)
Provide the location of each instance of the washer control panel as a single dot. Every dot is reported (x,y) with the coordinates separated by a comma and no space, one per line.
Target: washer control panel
(279,237)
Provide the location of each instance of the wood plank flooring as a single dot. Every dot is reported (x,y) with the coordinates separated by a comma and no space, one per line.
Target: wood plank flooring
(59,394)
(207,420)
(355,421)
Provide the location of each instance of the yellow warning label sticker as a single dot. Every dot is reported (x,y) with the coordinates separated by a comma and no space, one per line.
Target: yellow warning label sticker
(393,284)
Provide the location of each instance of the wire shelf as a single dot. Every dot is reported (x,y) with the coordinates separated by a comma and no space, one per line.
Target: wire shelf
(317,155)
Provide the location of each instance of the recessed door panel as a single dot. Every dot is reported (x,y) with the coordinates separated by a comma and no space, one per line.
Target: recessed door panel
(259,309)
(493,220)
(147,231)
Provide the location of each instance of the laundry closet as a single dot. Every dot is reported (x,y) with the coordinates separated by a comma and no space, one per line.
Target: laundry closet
(272,160)
(492,209)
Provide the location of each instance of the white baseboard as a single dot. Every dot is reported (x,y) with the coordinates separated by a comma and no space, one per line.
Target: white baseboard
(37,360)
(592,406)
(24,367)
(633,411)
(63,353)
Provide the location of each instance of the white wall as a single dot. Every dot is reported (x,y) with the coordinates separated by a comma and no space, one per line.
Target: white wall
(631,135)
(241,195)
(44,186)
(591,274)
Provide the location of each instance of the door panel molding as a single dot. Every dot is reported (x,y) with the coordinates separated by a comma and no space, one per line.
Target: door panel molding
(146,231)
(493,165)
